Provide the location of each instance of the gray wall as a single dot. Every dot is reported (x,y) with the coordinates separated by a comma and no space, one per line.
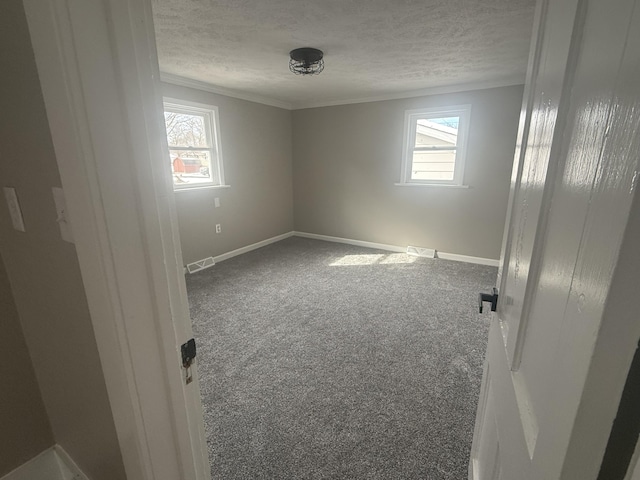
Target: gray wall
(347,158)
(256,150)
(24,426)
(43,270)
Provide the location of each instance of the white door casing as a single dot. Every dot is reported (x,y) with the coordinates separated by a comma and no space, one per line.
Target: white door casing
(551,384)
(98,69)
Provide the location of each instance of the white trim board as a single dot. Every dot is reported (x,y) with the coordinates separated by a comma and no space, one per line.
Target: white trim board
(253,246)
(349,241)
(394,248)
(250,97)
(360,243)
(468,258)
(227,92)
(98,71)
(425,92)
(52,464)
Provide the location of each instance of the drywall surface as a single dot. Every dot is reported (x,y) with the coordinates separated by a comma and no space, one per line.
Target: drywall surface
(24,426)
(256,152)
(43,270)
(347,159)
(372,47)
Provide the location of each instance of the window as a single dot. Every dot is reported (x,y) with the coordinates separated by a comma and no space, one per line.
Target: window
(434,148)
(194,146)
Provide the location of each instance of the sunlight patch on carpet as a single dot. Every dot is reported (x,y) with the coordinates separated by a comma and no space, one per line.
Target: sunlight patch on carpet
(373,259)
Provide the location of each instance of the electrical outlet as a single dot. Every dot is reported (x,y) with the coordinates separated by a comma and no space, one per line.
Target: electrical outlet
(216,202)
(218,228)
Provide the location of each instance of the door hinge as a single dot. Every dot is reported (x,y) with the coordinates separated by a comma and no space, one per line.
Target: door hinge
(188,351)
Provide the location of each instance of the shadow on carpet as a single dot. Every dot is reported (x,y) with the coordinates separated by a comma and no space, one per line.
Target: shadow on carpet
(322,360)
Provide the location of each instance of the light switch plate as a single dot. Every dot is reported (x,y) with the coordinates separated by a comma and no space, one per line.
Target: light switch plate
(216,201)
(14,208)
(62,215)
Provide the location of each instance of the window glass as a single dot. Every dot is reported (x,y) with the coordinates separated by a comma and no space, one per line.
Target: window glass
(186,130)
(194,154)
(434,146)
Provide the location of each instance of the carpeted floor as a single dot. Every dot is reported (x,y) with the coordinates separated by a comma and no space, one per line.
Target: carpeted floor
(320,360)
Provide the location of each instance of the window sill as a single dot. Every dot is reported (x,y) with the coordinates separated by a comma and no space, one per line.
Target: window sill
(203,187)
(437,185)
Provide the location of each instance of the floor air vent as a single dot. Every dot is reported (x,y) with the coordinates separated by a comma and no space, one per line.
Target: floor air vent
(200,265)
(421,252)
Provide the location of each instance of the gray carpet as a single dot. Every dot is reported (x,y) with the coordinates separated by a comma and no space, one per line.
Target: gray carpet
(321,360)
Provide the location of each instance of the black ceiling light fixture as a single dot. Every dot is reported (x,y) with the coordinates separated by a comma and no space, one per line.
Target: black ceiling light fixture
(306,61)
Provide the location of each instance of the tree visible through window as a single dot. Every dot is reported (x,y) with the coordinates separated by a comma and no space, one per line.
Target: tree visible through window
(192,133)
(435,141)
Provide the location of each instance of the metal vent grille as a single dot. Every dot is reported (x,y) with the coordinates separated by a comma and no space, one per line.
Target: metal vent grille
(421,252)
(200,265)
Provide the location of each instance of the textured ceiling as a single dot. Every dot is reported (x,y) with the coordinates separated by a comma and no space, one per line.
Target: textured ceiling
(372,47)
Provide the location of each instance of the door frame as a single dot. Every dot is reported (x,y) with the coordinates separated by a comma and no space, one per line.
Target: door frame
(99,74)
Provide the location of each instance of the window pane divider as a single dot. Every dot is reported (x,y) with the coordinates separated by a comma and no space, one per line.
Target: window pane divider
(435,148)
(195,149)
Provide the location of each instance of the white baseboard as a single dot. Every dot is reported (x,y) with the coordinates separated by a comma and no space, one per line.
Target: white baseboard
(395,248)
(360,243)
(254,246)
(473,470)
(466,258)
(52,464)
(349,241)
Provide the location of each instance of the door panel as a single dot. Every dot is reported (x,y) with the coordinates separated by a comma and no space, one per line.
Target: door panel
(532,197)
(497,433)
(601,168)
(509,394)
(489,455)
(570,209)
(581,159)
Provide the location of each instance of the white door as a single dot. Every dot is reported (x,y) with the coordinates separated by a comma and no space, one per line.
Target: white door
(573,182)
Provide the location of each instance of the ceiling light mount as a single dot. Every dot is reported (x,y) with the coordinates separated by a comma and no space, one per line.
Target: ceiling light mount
(306,61)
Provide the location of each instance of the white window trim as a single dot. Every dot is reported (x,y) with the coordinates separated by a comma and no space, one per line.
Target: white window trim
(410,118)
(211,113)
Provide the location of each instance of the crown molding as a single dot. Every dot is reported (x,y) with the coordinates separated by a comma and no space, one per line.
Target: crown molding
(462,87)
(227,92)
